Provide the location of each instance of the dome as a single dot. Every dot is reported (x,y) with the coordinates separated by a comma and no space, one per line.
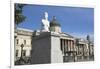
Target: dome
(54,22)
(55,26)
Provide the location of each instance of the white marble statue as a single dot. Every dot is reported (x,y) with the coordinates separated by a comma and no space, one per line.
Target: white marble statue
(45,23)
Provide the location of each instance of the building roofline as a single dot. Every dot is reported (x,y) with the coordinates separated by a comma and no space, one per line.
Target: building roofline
(24,29)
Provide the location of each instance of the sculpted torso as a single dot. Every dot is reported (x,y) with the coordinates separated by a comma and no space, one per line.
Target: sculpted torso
(45,23)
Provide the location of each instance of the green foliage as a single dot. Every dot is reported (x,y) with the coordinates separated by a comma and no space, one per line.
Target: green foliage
(19,17)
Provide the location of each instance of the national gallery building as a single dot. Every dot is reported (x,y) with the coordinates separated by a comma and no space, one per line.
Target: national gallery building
(50,45)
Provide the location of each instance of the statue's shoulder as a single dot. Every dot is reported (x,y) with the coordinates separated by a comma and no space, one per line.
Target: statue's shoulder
(43,20)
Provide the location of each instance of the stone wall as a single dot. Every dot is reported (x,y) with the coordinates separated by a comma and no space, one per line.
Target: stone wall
(41,49)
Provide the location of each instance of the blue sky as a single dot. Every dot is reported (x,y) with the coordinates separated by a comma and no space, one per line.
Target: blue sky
(76,21)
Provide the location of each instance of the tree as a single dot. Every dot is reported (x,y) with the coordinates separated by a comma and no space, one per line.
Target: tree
(19,17)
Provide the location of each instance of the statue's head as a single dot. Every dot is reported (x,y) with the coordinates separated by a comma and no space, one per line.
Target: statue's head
(46,15)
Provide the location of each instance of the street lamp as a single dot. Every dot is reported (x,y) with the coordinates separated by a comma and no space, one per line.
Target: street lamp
(22,45)
(21,61)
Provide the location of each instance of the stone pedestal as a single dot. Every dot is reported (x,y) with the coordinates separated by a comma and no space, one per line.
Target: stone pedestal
(46,49)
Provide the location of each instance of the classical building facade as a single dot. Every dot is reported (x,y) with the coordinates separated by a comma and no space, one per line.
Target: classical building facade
(51,45)
(23,37)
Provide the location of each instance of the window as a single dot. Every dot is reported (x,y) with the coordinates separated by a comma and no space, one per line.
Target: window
(17,41)
(30,52)
(16,53)
(24,52)
(24,41)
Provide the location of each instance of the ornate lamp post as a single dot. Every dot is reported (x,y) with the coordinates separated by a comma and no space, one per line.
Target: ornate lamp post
(21,60)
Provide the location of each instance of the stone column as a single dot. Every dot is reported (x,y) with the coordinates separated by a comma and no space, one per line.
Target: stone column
(63,46)
(68,46)
(71,44)
(83,52)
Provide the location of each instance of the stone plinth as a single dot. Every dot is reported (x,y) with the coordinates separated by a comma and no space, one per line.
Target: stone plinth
(46,48)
